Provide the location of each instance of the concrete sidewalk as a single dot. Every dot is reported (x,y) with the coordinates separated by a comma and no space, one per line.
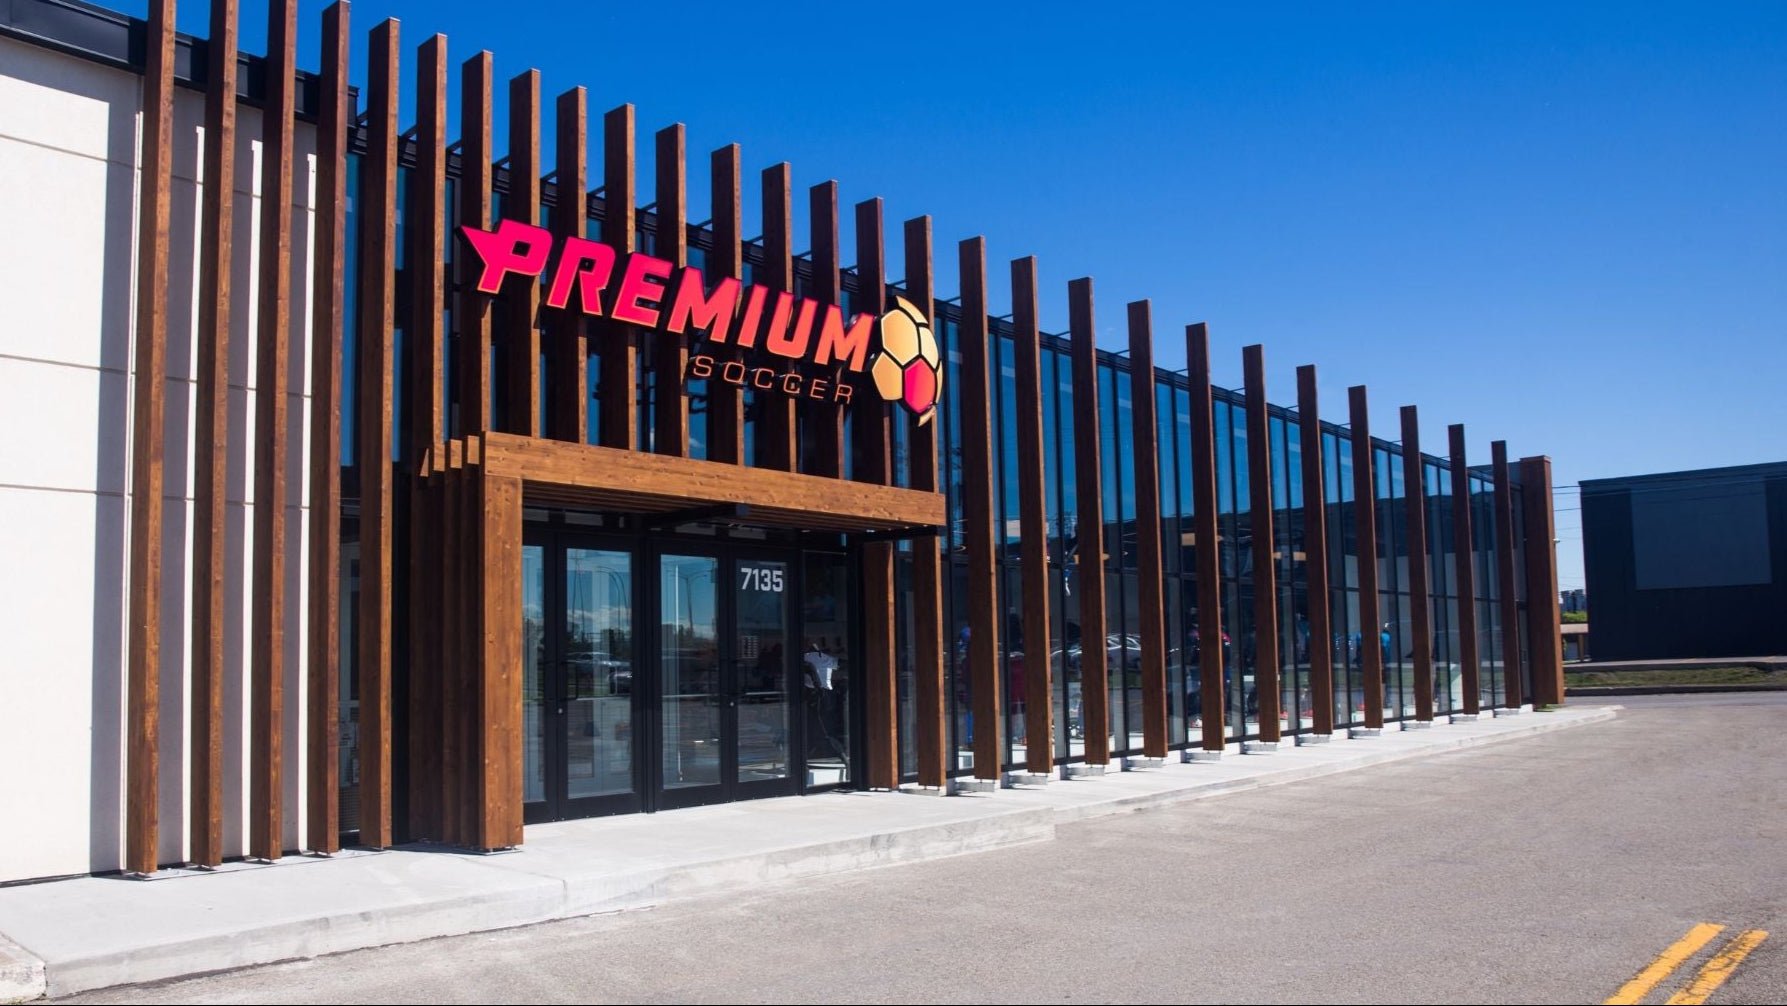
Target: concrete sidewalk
(71,935)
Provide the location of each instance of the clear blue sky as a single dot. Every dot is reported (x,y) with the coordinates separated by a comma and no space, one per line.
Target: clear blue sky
(1566,228)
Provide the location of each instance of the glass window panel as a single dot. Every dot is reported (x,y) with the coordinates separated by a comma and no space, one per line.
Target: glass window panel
(1108,452)
(828,672)
(689,675)
(598,661)
(1123,518)
(1006,444)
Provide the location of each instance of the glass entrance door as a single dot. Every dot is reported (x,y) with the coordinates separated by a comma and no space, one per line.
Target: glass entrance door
(579,702)
(724,677)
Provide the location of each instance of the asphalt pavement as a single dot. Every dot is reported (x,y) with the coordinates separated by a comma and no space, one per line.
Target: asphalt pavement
(1555,869)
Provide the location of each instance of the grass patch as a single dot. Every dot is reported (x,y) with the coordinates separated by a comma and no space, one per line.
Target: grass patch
(1673,676)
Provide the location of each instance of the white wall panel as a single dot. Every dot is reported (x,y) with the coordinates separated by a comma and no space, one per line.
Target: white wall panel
(68,138)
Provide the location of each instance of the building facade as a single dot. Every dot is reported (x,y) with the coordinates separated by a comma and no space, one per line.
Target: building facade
(1688,564)
(584,501)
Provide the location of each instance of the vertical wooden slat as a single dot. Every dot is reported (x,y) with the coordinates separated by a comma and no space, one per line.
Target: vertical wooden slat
(985,677)
(465,673)
(520,400)
(267,765)
(777,438)
(472,310)
(425,334)
(1261,525)
(1465,562)
(425,337)
(1541,582)
(1420,595)
(567,366)
(880,667)
(1371,654)
(1033,521)
(870,441)
(619,379)
(149,407)
(1095,698)
(1513,690)
(670,351)
(725,402)
(440,769)
(324,686)
(826,419)
(1315,553)
(877,558)
(211,444)
(1209,568)
(372,456)
(1150,576)
(927,557)
(499,674)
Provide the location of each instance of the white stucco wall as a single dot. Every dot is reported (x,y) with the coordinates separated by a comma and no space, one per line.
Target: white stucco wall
(69,154)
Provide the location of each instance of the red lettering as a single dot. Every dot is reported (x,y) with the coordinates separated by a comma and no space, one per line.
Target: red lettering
(791,385)
(733,372)
(639,295)
(778,322)
(512,247)
(763,377)
(701,366)
(747,329)
(587,265)
(835,343)
(711,313)
(844,391)
(794,344)
(817,388)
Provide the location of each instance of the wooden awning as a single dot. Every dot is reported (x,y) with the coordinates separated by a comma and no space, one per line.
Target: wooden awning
(585,475)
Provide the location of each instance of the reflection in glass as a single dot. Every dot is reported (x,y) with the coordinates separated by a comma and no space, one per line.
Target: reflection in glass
(761,655)
(827,673)
(598,667)
(689,637)
(533,660)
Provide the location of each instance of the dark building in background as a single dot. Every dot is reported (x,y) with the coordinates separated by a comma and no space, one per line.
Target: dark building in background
(1688,564)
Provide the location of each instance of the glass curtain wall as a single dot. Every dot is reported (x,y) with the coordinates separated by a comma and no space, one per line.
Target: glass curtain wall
(1065,644)
(1493,687)
(1441,557)
(1290,557)
(1395,634)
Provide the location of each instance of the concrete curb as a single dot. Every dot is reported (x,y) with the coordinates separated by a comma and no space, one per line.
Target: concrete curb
(1593,691)
(1535,726)
(21,973)
(1778,663)
(466,894)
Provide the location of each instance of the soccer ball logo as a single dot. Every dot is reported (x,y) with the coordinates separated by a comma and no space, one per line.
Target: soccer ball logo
(908,368)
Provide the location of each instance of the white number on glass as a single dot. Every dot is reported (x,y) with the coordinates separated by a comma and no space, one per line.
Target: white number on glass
(767,581)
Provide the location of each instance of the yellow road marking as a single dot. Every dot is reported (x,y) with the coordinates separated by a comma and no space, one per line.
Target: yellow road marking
(1714,972)
(1644,981)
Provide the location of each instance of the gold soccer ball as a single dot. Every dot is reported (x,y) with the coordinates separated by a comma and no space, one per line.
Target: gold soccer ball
(908,369)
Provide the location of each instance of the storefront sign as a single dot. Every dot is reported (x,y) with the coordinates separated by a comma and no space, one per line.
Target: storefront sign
(768,325)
